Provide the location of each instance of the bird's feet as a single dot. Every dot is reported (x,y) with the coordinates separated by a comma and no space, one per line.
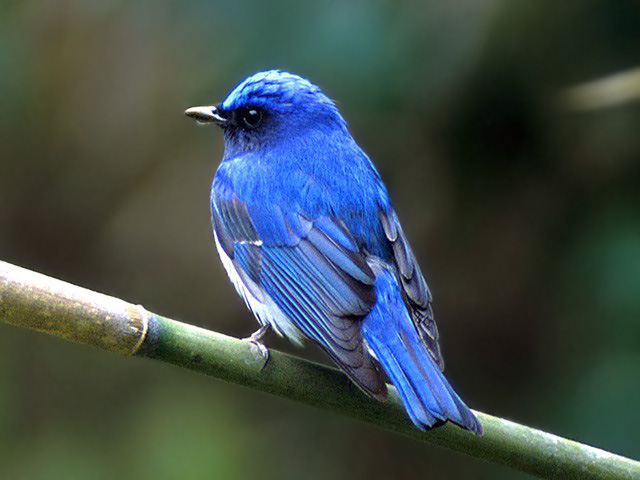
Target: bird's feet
(256,341)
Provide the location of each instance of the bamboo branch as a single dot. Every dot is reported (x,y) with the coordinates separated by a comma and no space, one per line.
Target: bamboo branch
(32,300)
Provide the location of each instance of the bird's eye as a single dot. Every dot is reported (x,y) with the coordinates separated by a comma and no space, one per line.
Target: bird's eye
(251,117)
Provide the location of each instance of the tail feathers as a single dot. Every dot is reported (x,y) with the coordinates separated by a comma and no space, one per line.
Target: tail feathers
(426,394)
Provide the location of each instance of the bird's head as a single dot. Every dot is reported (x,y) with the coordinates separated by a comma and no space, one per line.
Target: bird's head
(267,107)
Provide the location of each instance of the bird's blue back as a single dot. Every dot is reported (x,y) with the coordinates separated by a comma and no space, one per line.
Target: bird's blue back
(307,232)
(304,176)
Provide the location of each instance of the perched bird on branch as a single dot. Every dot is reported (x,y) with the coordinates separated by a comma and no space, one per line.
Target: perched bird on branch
(308,235)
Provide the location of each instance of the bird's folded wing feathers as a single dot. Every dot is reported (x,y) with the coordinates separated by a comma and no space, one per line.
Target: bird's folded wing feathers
(314,272)
(414,285)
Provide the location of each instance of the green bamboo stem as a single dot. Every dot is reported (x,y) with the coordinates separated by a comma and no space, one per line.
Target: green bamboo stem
(32,300)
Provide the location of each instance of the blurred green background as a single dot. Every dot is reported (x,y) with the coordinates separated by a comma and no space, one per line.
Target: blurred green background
(521,199)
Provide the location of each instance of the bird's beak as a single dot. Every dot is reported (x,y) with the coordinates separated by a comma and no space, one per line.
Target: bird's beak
(210,114)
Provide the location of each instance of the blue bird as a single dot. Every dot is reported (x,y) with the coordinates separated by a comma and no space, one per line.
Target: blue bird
(307,233)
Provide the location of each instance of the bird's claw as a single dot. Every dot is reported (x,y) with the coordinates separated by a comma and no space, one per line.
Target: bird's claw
(256,342)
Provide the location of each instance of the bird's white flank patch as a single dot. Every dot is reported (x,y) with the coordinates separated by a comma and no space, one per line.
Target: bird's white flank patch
(265,310)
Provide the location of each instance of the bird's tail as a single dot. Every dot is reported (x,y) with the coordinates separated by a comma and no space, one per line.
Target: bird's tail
(426,394)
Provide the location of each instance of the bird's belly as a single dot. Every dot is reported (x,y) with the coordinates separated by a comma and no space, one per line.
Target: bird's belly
(264,309)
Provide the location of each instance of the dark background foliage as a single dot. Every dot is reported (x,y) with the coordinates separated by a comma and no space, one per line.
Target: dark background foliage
(523,208)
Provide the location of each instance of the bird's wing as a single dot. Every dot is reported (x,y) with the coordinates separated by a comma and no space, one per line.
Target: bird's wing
(415,287)
(312,269)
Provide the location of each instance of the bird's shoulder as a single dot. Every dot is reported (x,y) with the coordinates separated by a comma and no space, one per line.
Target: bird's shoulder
(337,183)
